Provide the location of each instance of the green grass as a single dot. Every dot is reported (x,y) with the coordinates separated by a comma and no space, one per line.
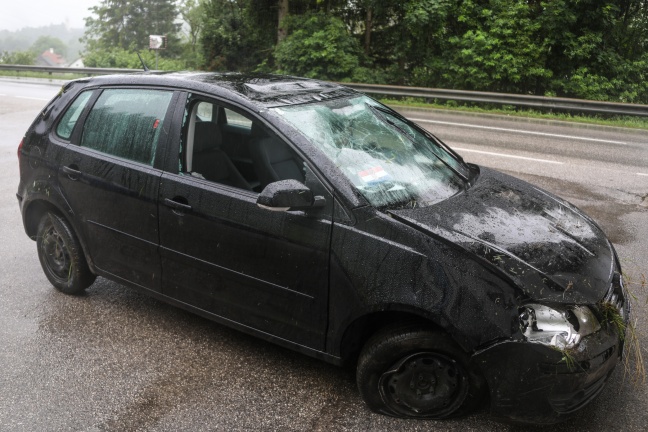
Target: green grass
(568,359)
(509,110)
(612,316)
(633,358)
(636,285)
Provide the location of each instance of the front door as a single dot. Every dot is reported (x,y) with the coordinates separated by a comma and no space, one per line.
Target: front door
(222,253)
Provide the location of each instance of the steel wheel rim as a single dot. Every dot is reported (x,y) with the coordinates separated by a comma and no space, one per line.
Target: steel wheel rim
(56,254)
(425,384)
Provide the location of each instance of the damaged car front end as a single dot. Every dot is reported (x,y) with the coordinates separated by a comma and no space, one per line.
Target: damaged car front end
(570,308)
(558,362)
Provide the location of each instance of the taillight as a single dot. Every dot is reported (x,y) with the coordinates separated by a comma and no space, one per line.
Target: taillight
(20,146)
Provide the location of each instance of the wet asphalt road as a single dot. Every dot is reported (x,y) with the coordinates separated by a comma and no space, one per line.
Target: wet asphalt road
(117,360)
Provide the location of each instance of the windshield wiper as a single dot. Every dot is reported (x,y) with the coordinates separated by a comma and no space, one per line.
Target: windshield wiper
(382,114)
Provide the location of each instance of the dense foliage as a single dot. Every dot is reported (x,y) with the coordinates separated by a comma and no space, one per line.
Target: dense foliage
(594,49)
(18,57)
(318,45)
(127,25)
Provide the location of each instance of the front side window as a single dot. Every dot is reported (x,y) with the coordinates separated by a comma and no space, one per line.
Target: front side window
(127,123)
(391,162)
(232,148)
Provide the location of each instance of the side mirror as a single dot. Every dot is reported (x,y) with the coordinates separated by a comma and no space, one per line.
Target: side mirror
(287,195)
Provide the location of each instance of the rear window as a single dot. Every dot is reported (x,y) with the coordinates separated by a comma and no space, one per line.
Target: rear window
(127,123)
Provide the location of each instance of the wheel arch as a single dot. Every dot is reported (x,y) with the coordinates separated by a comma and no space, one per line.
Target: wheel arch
(34,212)
(362,328)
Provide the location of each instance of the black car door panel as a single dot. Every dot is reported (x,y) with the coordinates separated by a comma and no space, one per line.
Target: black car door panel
(110,180)
(224,254)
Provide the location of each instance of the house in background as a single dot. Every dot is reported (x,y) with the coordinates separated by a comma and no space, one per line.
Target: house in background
(78,63)
(50,58)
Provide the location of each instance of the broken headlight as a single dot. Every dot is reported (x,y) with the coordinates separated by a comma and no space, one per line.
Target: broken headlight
(560,328)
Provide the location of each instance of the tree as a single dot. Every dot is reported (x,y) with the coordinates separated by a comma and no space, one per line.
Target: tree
(238,34)
(26,58)
(127,24)
(192,12)
(499,48)
(44,43)
(318,46)
(282,14)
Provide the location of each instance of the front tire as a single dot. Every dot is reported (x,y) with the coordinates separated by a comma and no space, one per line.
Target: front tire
(61,256)
(412,372)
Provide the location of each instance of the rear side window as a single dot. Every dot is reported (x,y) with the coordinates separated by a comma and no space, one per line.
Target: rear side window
(236,119)
(69,119)
(127,123)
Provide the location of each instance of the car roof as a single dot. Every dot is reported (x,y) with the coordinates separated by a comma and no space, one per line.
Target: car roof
(261,90)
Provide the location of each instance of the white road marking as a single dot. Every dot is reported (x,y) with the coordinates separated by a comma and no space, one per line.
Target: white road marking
(32,98)
(507,155)
(518,131)
(642,174)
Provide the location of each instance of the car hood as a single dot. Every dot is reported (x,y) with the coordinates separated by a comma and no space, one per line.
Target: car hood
(549,249)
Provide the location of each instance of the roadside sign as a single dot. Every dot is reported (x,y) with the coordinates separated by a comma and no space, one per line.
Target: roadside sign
(157,42)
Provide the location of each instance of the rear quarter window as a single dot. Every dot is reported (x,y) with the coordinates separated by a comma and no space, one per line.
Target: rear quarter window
(69,119)
(127,123)
(236,119)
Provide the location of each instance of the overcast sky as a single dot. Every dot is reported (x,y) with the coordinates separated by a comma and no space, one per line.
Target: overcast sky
(16,14)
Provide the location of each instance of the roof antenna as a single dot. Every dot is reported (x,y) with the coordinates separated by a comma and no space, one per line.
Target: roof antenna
(146,69)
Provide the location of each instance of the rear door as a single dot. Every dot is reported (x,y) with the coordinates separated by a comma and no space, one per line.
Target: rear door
(110,178)
(222,253)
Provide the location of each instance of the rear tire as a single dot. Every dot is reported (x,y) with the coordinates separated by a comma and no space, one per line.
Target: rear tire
(413,372)
(61,256)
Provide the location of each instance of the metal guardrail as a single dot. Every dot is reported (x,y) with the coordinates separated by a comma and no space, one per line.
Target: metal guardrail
(539,102)
(542,102)
(52,70)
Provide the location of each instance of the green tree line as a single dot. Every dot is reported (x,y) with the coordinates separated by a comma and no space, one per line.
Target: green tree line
(591,49)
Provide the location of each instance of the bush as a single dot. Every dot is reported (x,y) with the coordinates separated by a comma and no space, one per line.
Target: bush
(121,58)
(26,58)
(319,46)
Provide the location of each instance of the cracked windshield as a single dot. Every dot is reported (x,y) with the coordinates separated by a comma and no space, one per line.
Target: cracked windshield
(392,163)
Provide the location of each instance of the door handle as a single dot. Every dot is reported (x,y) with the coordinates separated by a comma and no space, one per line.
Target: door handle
(72,173)
(177,205)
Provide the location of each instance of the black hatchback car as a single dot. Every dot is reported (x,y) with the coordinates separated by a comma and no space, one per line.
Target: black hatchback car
(314,217)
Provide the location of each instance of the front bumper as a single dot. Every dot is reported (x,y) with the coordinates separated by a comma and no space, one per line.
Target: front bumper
(532,383)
